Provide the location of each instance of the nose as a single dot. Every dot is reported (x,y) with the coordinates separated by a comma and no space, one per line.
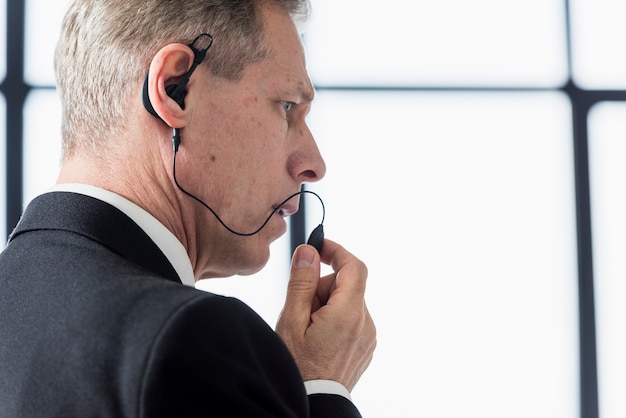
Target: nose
(306,165)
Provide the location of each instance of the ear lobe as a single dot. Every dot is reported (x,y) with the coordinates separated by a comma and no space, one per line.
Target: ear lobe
(161,98)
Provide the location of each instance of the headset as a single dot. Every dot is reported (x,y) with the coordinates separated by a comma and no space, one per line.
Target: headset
(177,92)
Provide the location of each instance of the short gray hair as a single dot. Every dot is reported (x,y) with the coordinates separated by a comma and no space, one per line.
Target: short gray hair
(107,44)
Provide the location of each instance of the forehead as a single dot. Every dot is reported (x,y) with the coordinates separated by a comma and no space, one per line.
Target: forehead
(286,64)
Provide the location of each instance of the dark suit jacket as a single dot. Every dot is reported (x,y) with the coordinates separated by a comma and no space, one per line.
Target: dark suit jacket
(95,322)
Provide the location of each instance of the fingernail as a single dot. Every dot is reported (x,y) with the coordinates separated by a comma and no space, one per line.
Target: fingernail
(304,257)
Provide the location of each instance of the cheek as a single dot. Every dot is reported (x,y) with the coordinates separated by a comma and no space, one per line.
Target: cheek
(250,139)
(263,141)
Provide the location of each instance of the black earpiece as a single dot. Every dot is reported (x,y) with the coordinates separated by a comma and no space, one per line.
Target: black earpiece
(177,91)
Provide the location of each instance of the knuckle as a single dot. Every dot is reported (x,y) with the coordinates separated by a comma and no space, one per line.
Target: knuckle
(361,269)
(300,286)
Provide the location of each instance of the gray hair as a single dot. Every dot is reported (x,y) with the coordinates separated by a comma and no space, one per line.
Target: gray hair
(105,45)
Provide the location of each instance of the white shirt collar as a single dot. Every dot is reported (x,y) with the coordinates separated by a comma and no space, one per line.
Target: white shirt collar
(162,237)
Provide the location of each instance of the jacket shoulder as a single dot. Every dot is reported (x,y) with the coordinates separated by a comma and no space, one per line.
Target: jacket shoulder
(215,355)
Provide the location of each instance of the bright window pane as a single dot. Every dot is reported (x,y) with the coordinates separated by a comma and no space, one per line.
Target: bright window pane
(462,205)
(443,42)
(42,142)
(607,148)
(598,43)
(43,21)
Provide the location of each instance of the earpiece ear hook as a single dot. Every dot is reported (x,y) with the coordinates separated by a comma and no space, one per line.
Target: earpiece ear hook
(177,91)
(201,50)
(198,56)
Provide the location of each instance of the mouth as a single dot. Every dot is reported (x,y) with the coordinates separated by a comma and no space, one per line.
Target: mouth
(288,206)
(286,210)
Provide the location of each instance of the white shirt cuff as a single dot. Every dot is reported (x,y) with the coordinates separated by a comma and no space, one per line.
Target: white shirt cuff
(326,386)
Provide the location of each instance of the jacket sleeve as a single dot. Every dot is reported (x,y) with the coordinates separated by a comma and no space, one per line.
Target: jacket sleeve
(216,357)
(321,405)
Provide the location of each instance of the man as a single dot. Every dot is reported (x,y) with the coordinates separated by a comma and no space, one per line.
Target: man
(94,317)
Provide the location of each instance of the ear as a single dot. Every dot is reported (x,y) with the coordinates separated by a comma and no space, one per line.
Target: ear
(167,68)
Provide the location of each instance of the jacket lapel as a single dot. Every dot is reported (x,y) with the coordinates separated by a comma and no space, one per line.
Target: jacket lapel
(98,221)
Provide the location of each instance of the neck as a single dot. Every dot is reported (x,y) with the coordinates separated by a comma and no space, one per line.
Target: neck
(143,179)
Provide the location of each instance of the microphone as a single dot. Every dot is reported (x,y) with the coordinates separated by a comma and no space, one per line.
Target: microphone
(316,239)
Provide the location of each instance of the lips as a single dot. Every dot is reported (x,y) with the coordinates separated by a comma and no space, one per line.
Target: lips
(287,210)
(288,206)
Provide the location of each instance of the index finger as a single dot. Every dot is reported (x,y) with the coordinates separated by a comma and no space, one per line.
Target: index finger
(350,272)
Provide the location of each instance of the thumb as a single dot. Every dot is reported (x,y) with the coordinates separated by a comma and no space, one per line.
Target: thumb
(302,287)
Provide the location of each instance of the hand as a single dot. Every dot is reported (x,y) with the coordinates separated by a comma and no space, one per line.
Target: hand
(325,322)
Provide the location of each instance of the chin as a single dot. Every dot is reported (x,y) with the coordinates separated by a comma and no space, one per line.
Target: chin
(249,270)
(243,256)
(254,261)
(242,266)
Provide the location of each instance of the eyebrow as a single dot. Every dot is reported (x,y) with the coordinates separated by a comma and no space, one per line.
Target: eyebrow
(306,91)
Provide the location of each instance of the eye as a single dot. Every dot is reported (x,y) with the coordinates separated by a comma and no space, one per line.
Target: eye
(286,105)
